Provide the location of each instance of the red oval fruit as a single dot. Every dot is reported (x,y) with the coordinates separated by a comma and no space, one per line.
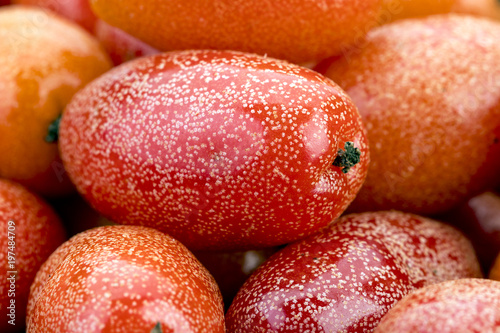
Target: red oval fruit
(346,277)
(124,279)
(30,232)
(429,94)
(464,305)
(220,149)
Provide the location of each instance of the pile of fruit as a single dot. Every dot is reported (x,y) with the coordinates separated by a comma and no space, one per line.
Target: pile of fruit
(250,166)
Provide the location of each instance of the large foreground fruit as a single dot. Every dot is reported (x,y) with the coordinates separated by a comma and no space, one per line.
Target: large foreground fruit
(429,94)
(298,30)
(222,150)
(464,305)
(345,278)
(124,279)
(30,232)
(44,61)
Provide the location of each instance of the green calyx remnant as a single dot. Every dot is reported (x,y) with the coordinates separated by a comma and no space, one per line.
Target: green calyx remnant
(347,158)
(53,132)
(157,328)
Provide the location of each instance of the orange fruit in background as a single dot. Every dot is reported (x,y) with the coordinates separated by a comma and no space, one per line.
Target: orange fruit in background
(296,30)
(428,91)
(45,60)
(400,9)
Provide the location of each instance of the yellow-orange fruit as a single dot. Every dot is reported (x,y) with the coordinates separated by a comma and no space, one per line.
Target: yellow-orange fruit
(428,91)
(296,30)
(45,60)
(399,9)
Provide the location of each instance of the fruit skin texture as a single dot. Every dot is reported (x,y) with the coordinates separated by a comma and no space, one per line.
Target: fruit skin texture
(38,232)
(297,30)
(220,149)
(346,277)
(45,60)
(429,94)
(464,305)
(124,279)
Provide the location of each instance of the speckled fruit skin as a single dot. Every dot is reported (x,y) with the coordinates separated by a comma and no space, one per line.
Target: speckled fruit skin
(297,30)
(35,232)
(220,149)
(429,94)
(45,60)
(124,279)
(345,278)
(464,305)
(479,220)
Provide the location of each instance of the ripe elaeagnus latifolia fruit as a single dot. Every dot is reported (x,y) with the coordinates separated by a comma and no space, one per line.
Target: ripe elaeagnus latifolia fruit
(222,150)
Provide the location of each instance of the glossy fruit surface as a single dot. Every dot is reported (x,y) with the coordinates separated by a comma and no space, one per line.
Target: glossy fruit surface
(464,305)
(298,30)
(220,149)
(45,60)
(429,94)
(345,278)
(124,279)
(30,232)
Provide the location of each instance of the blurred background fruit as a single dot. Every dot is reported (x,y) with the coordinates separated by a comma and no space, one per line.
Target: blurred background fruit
(429,94)
(299,30)
(45,60)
